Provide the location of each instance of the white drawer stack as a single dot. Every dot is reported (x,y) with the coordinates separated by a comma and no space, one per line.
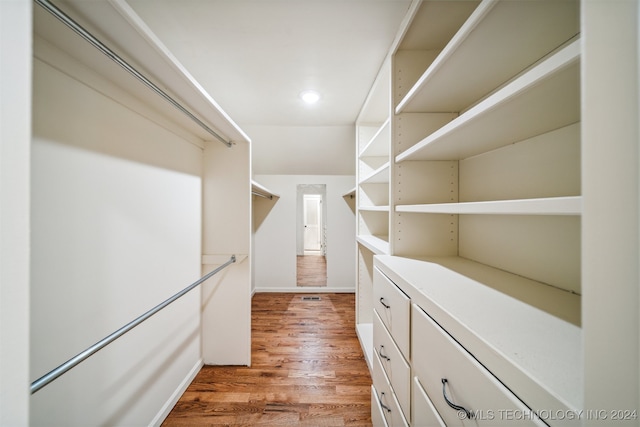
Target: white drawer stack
(453,388)
(423,377)
(391,392)
(442,360)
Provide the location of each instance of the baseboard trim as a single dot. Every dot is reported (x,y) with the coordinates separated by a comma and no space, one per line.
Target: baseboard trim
(168,406)
(307,290)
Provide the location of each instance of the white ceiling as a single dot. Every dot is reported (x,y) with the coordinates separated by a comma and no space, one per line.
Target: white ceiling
(255,56)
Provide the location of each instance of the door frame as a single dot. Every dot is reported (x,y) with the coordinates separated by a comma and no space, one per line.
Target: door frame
(302,189)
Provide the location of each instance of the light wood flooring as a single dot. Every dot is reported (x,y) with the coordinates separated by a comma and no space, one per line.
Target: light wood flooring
(311,270)
(307,370)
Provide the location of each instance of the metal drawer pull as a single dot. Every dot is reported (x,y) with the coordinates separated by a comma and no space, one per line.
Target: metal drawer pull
(383,303)
(382,404)
(384,356)
(453,405)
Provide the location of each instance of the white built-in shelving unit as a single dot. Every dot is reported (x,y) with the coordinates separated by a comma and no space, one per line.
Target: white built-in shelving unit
(484,199)
(504,165)
(373,143)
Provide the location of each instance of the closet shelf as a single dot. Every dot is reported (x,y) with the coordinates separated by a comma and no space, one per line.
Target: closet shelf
(378,146)
(374,208)
(522,330)
(260,190)
(549,92)
(479,58)
(379,176)
(379,245)
(571,205)
(141,48)
(429,25)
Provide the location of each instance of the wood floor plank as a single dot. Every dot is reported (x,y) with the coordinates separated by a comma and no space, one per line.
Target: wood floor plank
(307,370)
(311,270)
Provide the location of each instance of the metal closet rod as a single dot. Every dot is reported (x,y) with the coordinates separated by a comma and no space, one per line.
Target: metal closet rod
(78,29)
(82,356)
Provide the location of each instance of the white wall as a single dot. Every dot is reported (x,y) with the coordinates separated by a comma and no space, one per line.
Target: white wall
(275,236)
(302,150)
(116,229)
(15,129)
(226,297)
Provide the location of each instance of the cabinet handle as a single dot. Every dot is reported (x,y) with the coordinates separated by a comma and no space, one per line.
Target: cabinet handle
(383,303)
(453,405)
(384,356)
(382,404)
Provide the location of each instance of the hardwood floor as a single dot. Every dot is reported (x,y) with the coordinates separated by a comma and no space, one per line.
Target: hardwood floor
(307,370)
(311,270)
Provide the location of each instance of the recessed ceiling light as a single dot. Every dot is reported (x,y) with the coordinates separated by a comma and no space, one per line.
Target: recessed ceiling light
(310,96)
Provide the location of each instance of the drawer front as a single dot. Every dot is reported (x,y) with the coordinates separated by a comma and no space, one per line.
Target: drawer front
(424,412)
(397,369)
(386,397)
(377,417)
(394,307)
(468,384)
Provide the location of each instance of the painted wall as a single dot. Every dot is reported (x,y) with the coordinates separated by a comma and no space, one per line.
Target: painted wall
(115,230)
(226,297)
(302,150)
(275,234)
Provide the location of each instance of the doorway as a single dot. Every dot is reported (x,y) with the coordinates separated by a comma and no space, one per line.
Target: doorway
(311,262)
(312,214)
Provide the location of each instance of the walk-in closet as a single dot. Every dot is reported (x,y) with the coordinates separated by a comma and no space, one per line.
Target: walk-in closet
(379,213)
(480,201)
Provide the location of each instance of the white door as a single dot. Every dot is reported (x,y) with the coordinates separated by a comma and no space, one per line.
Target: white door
(312,222)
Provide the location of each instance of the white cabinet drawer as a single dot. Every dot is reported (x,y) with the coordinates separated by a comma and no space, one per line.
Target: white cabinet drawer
(397,369)
(377,417)
(424,412)
(468,384)
(393,306)
(386,397)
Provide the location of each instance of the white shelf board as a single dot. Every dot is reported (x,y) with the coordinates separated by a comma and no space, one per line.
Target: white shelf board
(117,25)
(261,190)
(365,335)
(430,25)
(544,98)
(479,58)
(379,144)
(571,205)
(497,316)
(379,245)
(374,208)
(379,176)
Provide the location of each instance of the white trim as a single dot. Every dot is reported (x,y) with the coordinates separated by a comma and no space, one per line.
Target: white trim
(307,290)
(177,394)
(15,146)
